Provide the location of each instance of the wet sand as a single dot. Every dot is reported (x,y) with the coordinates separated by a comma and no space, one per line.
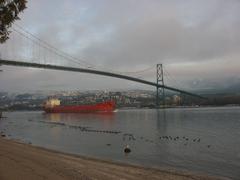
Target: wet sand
(24,161)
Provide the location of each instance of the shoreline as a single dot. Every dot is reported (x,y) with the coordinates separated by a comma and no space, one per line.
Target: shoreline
(24,161)
(130,108)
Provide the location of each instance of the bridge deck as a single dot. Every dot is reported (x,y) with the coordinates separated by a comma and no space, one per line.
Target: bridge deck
(92,71)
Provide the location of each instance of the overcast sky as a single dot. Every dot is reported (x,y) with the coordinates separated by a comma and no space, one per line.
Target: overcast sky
(197,41)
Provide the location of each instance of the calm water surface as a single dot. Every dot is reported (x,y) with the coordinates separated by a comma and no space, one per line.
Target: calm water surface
(205,140)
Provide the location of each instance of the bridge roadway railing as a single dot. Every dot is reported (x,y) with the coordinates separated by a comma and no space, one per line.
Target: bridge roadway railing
(92,71)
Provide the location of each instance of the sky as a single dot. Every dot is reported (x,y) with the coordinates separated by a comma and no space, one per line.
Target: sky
(197,42)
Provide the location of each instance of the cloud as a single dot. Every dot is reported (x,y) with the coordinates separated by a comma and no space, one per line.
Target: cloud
(193,39)
(161,34)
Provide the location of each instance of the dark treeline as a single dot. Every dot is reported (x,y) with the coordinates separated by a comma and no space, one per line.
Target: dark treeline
(221,100)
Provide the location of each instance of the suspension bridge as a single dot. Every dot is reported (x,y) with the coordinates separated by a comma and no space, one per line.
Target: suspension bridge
(27,50)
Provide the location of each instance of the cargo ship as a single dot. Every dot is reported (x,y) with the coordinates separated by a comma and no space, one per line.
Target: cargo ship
(53,105)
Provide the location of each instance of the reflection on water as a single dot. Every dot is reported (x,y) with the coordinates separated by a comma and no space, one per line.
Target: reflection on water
(202,139)
(54,117)
(104,116)
(161,120)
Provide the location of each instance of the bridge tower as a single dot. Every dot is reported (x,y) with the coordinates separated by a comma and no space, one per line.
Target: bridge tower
(160,90)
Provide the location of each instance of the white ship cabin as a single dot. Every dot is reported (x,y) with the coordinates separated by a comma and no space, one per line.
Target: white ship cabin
(51,102)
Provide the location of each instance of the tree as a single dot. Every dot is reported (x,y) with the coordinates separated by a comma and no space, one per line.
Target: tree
(9,10)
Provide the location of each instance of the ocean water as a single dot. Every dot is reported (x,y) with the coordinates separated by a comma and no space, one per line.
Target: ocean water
(203,140)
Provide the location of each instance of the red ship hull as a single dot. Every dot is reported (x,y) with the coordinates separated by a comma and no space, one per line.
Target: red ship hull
(108,106)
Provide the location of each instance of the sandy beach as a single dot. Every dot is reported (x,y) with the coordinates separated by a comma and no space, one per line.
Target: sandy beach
(24,161)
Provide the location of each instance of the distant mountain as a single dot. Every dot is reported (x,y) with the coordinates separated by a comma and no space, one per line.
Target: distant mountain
(227,86)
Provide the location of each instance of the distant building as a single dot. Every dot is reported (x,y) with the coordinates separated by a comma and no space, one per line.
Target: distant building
(176,100)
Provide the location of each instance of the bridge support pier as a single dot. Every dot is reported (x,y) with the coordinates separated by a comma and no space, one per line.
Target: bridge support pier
(160,94)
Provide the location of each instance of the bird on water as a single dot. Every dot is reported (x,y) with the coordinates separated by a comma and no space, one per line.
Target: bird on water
(127,149)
